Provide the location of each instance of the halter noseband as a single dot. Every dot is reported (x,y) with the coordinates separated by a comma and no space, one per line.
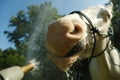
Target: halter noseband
(94,31)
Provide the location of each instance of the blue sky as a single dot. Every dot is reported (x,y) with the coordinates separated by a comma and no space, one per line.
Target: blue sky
(10,8)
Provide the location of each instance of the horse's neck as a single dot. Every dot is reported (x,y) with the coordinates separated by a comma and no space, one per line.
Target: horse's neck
(102,67)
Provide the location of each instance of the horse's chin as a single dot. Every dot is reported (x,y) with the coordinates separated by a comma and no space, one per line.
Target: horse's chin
(63,63)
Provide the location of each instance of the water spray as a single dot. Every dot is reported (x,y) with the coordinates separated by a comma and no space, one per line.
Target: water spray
(16,72)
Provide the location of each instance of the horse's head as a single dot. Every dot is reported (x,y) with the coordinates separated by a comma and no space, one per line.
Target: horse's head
(74,31)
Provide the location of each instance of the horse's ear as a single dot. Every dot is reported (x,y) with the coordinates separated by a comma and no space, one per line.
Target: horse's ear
(107,13)
(109,6)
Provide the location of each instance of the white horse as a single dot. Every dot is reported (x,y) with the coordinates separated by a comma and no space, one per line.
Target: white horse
(94,43)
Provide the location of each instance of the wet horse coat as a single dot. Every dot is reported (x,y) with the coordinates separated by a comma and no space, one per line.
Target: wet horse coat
(64,33)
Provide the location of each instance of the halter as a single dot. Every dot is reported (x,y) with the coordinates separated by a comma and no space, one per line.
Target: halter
(75,49)
(94,31)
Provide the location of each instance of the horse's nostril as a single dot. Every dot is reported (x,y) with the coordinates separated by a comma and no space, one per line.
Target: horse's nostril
(77,30)
(76,33)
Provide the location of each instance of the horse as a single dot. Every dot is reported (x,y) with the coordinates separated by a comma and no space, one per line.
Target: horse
(83,35)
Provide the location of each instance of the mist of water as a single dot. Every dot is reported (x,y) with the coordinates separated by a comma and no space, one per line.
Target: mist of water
(35,63)
(35,44)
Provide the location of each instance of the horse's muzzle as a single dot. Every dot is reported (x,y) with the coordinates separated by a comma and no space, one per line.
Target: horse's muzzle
(62,35)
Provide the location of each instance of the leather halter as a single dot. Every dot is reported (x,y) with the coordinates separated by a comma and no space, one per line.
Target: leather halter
(94,31)
(82,67)
(85,63)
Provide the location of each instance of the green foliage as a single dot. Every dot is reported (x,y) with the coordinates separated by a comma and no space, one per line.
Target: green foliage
(116,22)
(28,36)
(10,57)
(20,25)
(25,23)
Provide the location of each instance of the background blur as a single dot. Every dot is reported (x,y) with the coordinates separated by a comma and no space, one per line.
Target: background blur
(23,24)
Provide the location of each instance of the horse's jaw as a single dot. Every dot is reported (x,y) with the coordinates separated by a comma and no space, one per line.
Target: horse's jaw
(99,70)
(102,67)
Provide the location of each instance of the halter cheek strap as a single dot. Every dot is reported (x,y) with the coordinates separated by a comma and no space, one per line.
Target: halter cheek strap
(94,31)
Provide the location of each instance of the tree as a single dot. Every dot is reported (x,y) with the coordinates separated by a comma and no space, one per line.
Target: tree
(10,57)
(116,22)
(28,36)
